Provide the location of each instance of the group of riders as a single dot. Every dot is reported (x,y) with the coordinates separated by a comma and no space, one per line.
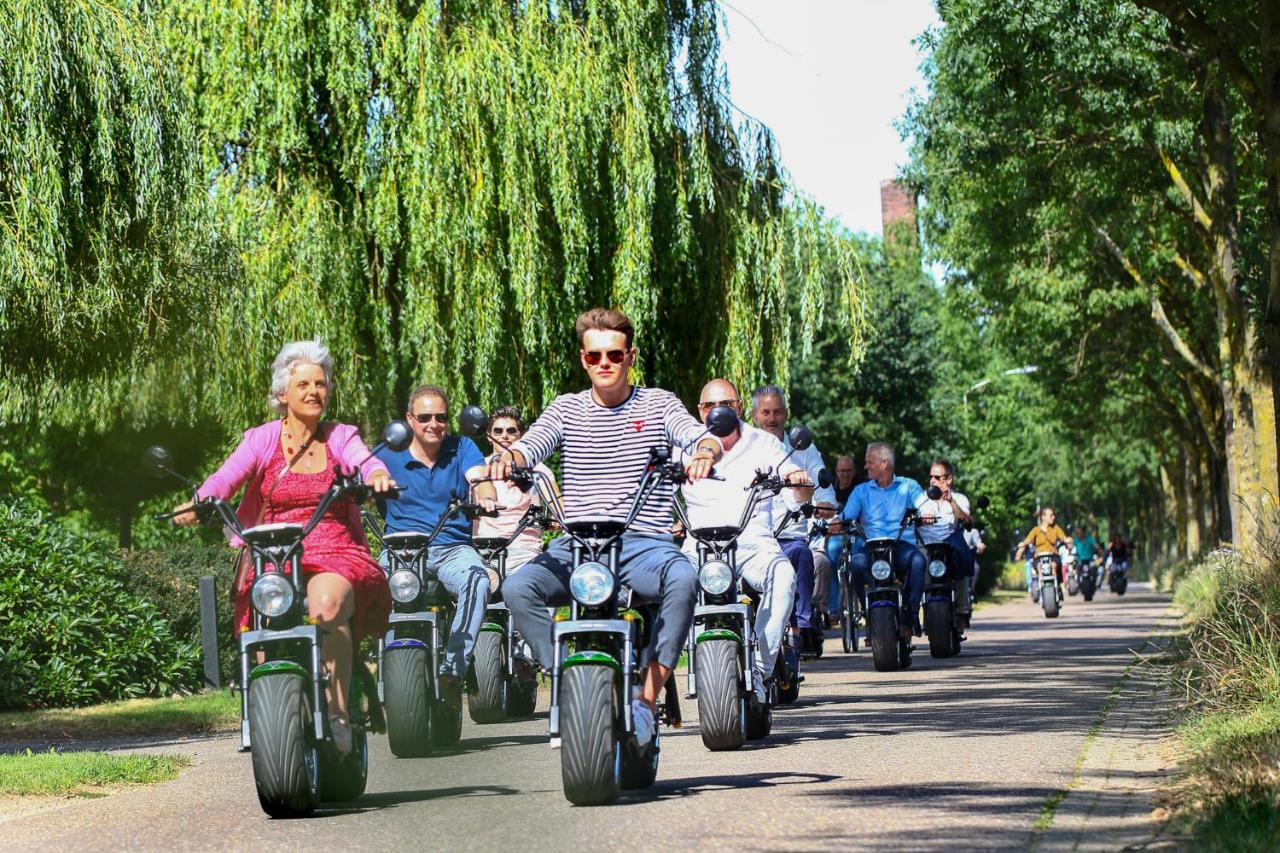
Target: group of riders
(801,546)
(1077,562)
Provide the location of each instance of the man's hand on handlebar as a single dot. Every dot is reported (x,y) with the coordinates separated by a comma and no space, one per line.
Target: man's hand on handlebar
(381,483)
(488,505)
(501,465)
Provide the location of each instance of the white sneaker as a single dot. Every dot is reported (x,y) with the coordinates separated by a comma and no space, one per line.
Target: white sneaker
(757,683)
(340,729)
(642,720)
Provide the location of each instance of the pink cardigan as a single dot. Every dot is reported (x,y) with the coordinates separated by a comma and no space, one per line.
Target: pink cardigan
(248,463)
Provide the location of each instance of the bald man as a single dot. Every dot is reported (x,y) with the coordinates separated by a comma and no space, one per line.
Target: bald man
(719,503)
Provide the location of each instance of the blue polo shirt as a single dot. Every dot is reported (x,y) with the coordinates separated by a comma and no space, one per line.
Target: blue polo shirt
(427,490)
(880,509)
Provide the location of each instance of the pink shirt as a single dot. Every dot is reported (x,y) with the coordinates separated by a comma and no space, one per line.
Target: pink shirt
(516,503)
(248,462)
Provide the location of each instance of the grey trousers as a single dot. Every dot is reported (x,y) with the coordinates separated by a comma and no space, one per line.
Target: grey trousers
(652,566)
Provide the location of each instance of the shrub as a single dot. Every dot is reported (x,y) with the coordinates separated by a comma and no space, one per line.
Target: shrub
(169,578)
(72,634)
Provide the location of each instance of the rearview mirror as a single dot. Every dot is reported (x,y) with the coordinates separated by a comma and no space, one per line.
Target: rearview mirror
(722,421)
(396,435)
(157,461)
(824,479)
(934,493)
(473,420)
(982,502)
(801,438)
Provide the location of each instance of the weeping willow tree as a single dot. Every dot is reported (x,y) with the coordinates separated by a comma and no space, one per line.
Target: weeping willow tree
(437,188)
(101,255)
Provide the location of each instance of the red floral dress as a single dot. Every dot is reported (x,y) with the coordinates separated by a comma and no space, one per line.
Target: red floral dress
(331,547)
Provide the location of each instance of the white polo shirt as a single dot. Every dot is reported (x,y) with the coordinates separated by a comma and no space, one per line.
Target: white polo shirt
(932,534)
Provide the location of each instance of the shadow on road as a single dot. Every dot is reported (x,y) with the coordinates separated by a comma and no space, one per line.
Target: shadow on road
(665,789)
(391,799)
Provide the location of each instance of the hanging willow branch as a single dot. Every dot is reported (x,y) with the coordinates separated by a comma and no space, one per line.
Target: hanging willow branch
(436,190)
(99,242)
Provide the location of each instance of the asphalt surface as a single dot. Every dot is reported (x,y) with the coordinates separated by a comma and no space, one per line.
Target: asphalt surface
(958,753)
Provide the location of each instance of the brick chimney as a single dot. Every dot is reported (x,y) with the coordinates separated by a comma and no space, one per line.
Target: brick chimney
(897,205)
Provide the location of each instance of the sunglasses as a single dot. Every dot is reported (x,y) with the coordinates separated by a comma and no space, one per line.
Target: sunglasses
(711,404)
(939,476)
(496,431)
(593,357)
(428,417)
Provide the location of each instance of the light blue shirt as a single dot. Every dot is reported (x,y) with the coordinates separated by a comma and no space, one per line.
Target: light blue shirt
(880,509)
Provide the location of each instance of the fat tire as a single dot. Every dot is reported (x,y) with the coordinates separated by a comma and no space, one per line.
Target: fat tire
(590,756)
(1049,599)
(343,779)
(488,704)
(938,627)
(1122,586)
(282,747)
(721,706)
(406,701)
(882,636)
(522,696)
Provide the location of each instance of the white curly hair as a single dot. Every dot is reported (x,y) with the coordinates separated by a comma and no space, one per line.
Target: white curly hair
(290,356)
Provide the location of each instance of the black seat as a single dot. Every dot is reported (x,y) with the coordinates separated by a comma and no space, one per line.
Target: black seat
(715,534)
(268,535)
(597,529)
(406,540)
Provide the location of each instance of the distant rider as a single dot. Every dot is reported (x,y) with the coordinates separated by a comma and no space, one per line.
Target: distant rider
(951,513)
(1045,538)
(432,471)
(878,505)
(719,503)
(605,434)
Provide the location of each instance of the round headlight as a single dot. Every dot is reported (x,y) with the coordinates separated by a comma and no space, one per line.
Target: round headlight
(880,570)
(715,576)
(405,586)
(591,584)
(937,568)
(272,595)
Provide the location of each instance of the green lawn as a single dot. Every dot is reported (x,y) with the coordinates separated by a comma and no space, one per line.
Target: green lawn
(202,713)
(62,773)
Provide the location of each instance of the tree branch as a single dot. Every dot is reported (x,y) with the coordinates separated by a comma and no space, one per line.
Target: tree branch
(1192,22)
(1197,209)
(1158,314)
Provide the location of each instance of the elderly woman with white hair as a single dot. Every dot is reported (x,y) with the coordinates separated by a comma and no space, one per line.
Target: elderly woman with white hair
(288,465)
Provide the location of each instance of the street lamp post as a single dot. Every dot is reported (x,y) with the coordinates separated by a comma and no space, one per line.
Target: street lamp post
(1013,371)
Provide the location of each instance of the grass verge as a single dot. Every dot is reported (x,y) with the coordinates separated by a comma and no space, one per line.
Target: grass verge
(201,713)
(81,773)
(1228,667)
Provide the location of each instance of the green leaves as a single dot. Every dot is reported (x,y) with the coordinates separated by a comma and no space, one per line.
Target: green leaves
(73,634)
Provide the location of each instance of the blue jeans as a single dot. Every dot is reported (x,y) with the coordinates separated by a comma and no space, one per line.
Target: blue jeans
(909,566)
(797,551)
(461,571)
(652,566)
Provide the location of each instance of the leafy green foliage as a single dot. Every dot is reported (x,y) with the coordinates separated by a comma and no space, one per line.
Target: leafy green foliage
(101,246)
(73,633)
(169,579)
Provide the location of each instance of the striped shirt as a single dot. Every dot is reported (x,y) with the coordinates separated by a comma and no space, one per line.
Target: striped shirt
(605,452)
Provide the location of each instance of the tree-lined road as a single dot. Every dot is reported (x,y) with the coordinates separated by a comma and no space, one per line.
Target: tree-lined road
(959,754)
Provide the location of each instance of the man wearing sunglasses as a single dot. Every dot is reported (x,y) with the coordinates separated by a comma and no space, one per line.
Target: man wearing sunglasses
(604,435)
(950,513)
(432,470)
(719,503)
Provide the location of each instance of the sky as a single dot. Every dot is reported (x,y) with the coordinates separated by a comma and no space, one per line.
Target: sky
(829,78)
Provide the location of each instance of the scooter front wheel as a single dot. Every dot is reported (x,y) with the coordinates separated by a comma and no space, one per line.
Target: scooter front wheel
(590,752)
(286,762)
(722,709)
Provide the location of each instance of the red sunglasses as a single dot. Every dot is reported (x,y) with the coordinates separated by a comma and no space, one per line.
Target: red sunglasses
(593,357)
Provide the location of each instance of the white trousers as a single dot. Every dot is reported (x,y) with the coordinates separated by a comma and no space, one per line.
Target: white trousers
(768,571)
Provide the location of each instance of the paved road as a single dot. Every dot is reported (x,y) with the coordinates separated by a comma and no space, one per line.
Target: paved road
(961,753)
